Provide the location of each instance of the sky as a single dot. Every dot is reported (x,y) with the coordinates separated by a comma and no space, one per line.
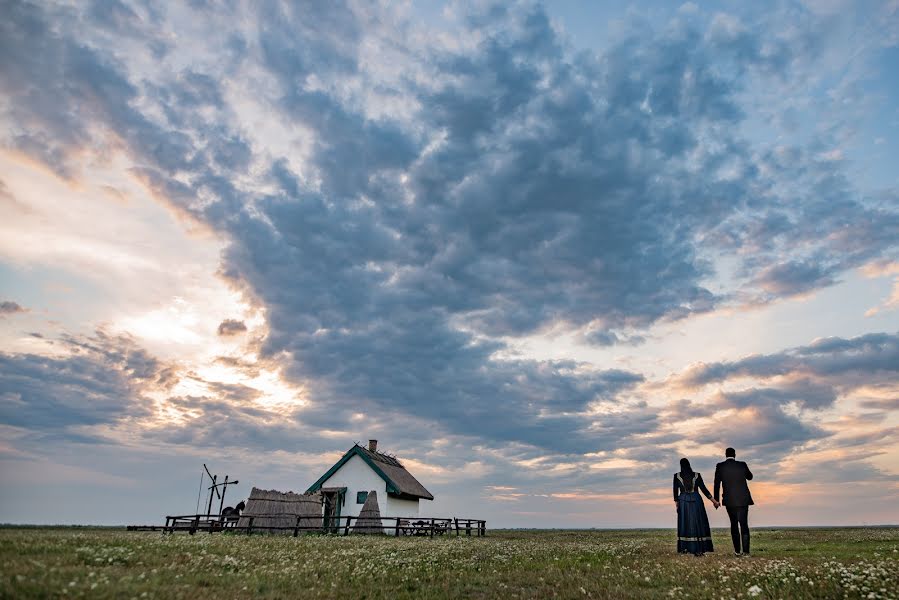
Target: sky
(540,251)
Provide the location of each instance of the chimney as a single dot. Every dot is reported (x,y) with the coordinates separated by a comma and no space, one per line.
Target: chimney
(372,445)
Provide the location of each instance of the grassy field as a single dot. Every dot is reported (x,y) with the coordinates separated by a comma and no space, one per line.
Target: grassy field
(109,563)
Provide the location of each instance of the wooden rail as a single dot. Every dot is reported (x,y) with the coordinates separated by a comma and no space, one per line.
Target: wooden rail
(343,525)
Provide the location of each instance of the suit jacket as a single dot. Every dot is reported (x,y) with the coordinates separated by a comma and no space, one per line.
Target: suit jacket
(733,474)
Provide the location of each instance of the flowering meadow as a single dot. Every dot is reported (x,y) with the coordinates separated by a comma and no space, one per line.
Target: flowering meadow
(113,563)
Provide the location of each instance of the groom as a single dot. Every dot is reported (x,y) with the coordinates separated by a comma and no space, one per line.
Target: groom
(737,499)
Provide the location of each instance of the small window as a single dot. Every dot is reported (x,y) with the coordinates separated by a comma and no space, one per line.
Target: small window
(361,497)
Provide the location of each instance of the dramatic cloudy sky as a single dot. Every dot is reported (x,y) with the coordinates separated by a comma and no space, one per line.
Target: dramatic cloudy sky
(539,251)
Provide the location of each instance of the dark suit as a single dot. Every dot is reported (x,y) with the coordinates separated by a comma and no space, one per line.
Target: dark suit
(734,474)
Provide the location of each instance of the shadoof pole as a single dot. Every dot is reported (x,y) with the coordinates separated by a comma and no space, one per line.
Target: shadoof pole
(212,488)
(199,493)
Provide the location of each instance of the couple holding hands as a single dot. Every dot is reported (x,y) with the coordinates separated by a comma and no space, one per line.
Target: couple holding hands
(693,532)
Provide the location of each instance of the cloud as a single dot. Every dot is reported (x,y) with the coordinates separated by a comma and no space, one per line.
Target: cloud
(888,404)
(99,380)
(229,420)
(843,471)
(9,200)
(585,212)
(870,357)
(882,269)
(8,307)
(763,429)
(231,327)
(604,338)
(757,418)
(788,279)
(792,391)
(485,187)
(804,392)
(766,423)
(100,388)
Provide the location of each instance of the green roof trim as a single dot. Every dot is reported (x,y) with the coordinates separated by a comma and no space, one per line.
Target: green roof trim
(356,450)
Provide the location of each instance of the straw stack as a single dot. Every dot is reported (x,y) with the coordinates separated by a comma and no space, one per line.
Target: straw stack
(369,521)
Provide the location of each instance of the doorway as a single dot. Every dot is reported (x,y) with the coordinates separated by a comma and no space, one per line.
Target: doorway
(332,503)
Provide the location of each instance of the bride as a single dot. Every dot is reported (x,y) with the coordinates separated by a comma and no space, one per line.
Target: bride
(693,532)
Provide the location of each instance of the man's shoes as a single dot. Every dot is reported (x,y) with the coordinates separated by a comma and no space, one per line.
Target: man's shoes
(737,553)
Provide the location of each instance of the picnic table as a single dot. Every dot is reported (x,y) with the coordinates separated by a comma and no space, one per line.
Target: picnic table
(429,527)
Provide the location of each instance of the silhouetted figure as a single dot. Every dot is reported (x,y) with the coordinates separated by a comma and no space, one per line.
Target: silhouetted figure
(231,514)
(734,474)
(693,532)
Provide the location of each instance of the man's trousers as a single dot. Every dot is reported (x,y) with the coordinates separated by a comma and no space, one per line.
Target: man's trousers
(739,527)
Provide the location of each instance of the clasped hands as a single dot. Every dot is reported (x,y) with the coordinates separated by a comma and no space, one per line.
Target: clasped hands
(715,503)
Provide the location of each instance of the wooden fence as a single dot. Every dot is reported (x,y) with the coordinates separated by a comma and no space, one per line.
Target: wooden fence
(343,525)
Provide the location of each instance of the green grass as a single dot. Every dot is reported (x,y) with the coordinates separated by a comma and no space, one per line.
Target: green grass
(108,563)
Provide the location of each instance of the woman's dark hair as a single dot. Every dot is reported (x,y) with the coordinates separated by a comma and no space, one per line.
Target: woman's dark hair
(686,472)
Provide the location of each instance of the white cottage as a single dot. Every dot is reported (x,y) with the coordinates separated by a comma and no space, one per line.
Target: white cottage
(345,486)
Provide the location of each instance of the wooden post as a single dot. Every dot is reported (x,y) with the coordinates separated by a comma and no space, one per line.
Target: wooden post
(250,526)
(432,528)
(194,524)
(346,529)
(397,532)
(222,499)
(212,489)
(296,528)
(456,521)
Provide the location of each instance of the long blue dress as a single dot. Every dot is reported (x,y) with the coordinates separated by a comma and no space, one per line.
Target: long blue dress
(693,532)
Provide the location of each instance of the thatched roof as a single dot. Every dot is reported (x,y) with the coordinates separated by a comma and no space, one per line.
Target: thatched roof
(369,521)
(400,482)
(271,508)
